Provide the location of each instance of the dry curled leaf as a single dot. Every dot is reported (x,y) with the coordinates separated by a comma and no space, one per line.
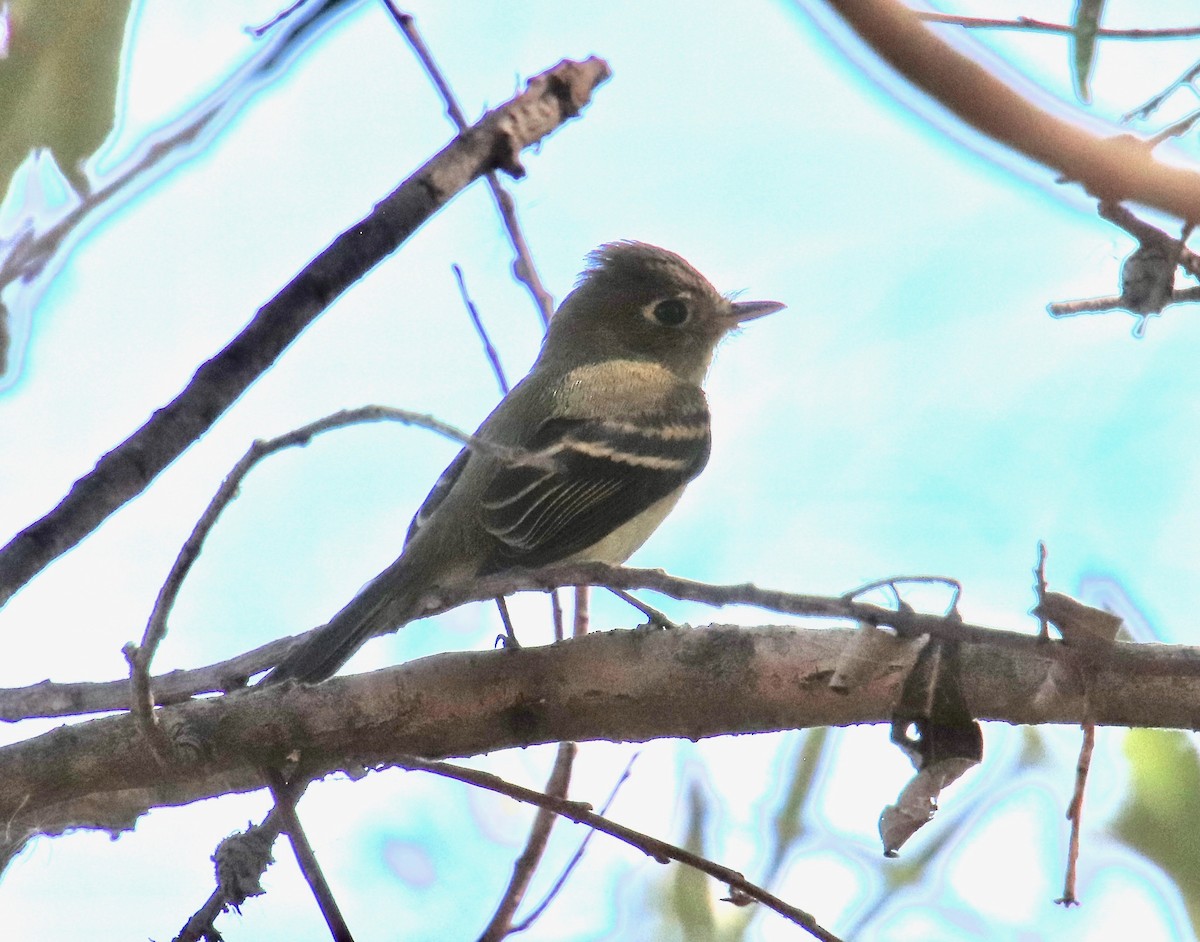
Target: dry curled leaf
(935,728)
(918,802)
(1077,622)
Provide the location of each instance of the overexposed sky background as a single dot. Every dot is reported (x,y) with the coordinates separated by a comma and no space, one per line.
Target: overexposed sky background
(914,410)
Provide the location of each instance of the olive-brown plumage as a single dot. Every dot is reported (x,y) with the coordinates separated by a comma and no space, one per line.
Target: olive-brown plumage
(615,422)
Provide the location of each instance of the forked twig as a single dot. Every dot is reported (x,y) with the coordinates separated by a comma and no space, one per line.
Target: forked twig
(140,656)
(535,846)
(286,795)
(523,267)
(554,890)
(656,849)
(539,834)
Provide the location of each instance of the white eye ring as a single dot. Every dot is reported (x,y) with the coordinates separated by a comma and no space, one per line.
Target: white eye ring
(671,312)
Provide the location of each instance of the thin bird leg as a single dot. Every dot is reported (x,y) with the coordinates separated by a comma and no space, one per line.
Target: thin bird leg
(509,638)
(656,617)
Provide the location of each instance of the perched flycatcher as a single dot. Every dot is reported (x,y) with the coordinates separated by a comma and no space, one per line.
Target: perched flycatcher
(612,422)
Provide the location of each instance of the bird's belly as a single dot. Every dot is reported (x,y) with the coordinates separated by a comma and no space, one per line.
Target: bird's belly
(622,542)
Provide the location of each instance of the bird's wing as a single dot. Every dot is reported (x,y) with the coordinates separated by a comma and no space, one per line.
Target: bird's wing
(600,474)
(438,493)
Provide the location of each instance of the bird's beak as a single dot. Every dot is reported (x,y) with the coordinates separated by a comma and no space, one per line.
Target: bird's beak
(742,311)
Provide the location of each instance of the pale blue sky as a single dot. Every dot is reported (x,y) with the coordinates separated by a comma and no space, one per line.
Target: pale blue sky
(914,410)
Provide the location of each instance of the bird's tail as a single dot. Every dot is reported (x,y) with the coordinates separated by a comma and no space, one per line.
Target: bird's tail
(386,603)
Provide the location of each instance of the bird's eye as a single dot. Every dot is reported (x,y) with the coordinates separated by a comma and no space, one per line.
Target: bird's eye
(671,312)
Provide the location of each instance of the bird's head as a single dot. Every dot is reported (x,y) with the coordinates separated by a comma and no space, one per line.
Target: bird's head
(638,301)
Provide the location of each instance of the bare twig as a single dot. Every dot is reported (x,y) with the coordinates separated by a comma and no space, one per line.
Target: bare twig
(286,794)
(1120,216)
(556,614)
(1075,813)
(26,256)
(539,834)
(141,702)
(1147,108)
(199,926)
(652,847)
(554,890)
(1027,24)
(47,699)
(653,615)
(140,656)
(1039,587)
(477,322)
(1110,303)
(535,846)
(156,628)
(263,29)
(582,611)
(1177,129)
(523,267)
(494,142)
(893,583)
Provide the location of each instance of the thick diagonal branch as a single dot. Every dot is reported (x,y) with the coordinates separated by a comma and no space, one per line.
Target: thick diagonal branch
(1115,167)
(495,142)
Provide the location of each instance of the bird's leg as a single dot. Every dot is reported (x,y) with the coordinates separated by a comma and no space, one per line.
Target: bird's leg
(656,618)
(509,638)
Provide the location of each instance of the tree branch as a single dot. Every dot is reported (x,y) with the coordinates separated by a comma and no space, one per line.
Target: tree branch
(556,887)
(523,267)
(501,923)
(1028,24)
(1119,167)
(526,865)
(47,699)
(617,686)
(658,850)
(495,142)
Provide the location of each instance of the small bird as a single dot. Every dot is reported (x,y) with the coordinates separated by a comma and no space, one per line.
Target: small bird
(613,422)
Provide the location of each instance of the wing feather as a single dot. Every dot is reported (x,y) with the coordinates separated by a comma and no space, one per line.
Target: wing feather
(605,471)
